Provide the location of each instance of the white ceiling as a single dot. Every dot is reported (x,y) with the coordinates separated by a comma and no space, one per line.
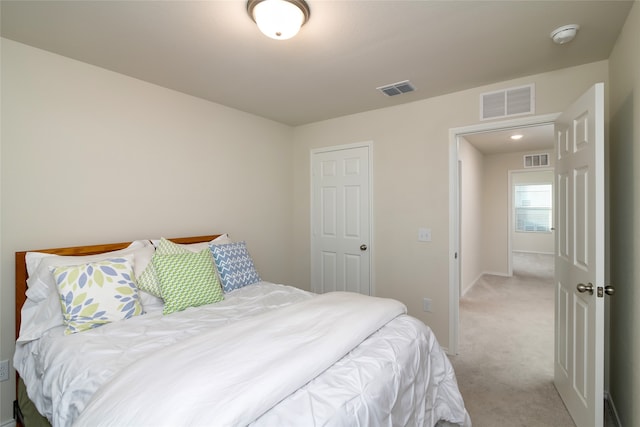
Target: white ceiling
(534,138)
(213,50)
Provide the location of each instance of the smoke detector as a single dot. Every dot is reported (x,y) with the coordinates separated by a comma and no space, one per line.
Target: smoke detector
(564,34)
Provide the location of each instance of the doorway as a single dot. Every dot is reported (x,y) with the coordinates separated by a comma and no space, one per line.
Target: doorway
(493,137)
(507,314)
(579,251)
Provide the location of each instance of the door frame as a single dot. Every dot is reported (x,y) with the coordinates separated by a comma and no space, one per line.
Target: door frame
(454,209)
(372,246)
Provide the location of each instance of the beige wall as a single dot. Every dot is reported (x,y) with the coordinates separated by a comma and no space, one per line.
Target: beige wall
(497,168)
(91,156)
(472,191)
(624,66)
(496,211)
(484,212)
(411,188)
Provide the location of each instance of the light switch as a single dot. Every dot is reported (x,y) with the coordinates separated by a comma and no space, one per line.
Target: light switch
(424,234)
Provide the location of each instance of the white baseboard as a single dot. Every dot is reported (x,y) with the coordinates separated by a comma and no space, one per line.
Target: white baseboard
(533,252)
(496,273)
(475,281)
(8,423)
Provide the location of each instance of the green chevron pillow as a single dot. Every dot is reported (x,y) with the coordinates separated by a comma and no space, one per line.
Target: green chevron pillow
(148,279)
(187,280)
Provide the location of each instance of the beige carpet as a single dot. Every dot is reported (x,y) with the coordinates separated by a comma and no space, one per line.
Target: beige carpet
(505,361)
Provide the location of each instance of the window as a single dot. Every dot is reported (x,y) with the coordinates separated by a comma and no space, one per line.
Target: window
(533,208)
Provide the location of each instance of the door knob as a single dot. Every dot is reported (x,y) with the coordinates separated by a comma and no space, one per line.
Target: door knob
(609,290)
(585,288)
(363,247)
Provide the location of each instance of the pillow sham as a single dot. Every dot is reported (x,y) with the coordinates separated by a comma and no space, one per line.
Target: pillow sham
(97,293)
(235,265)
(187,280)
(38,317)
(196,247)
(40,283)
(150,303)
(148,279)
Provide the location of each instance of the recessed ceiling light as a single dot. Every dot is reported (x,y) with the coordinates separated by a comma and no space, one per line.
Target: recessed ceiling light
(516,136)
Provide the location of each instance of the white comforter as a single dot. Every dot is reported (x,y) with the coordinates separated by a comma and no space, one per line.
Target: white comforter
(301,368)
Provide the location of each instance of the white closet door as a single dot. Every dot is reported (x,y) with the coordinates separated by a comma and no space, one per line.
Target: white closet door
(340,216)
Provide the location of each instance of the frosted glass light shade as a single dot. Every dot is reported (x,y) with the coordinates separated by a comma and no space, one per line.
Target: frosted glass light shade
(564,34)
(278,19)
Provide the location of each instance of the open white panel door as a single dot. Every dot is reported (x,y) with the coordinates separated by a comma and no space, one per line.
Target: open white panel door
(579,259)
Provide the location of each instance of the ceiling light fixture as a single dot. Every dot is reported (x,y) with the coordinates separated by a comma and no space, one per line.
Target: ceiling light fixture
(516,137)
(279,19)
(564,34)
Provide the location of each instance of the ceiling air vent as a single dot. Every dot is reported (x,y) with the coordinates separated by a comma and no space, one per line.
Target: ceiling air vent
(397,88)
(536,160)
(515,101)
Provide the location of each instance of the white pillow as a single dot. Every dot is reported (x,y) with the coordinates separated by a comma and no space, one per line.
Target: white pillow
(38,317)
(41,311)
(41,283)
(223,239)
(150,303)
(197,247)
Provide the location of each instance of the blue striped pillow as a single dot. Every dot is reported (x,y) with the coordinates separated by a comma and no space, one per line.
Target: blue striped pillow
(234,265)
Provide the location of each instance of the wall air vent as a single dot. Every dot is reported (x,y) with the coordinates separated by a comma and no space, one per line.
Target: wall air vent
(515,101)
(397,88)
(536,160)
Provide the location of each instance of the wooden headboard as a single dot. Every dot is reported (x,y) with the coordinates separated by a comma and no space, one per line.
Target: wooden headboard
(21,265)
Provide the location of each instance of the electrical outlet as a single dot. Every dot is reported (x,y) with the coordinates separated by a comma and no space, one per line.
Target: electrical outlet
(426,305)
(4,370)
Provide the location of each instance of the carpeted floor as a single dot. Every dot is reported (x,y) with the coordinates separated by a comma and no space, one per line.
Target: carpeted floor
(505,361)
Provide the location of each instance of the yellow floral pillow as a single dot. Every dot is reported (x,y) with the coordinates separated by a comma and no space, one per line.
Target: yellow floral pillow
(97,293)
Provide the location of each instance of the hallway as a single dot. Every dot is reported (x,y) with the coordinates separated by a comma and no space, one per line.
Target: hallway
(505,360)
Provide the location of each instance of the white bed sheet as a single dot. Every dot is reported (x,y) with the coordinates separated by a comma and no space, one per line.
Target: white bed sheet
(398,376)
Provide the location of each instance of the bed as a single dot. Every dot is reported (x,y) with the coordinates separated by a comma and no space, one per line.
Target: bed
(197,338)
